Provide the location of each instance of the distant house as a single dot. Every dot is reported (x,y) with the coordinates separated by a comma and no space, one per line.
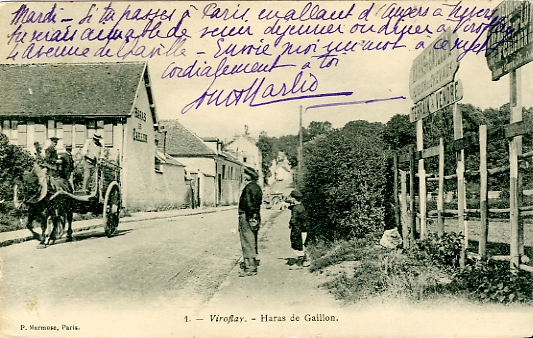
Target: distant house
(282,173)
(217,175)
(280,169)
(75,101)
(244,148)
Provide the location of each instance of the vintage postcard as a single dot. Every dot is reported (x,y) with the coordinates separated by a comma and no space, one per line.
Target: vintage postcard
(249,168)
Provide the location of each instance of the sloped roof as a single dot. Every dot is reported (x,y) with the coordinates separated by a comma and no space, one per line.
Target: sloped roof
(100,89)
(167,159)
(183,142)
(230,157)
(246,137)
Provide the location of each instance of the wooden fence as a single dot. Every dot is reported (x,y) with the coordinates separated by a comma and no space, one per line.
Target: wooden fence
(406,207)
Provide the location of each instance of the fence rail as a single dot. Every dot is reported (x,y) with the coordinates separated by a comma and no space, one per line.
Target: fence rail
(406,207)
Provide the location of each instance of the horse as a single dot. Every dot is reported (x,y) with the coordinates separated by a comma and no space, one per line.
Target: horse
(42,196)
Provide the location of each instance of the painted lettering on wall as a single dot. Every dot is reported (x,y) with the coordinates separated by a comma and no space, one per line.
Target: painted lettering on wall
(139,114)
(138,136)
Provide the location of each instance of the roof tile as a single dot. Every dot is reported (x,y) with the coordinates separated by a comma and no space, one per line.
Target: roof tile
(183,142)
(101,89)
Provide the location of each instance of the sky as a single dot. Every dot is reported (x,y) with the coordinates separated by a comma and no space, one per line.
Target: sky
(359,84)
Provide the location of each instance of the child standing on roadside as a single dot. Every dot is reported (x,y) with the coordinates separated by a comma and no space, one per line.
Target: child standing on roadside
(298,226)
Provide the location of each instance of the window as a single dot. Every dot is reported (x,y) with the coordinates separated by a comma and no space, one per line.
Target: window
(6,128)
(22,135)
(38,135)
(108,135)
(67,134)
(51,128)
(223,171)
(80,135)
(14,132)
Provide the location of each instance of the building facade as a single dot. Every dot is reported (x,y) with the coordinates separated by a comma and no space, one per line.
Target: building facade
(75,101)
(219,175)
(244,148)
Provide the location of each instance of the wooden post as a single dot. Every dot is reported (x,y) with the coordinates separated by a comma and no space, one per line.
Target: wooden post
(458,133)
(515,188)
(396,200)
(412,204)
(483,192)
(405,216)
(440,197)
(422,195)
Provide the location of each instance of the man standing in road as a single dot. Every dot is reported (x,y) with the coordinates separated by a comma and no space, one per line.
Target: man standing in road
(250,221)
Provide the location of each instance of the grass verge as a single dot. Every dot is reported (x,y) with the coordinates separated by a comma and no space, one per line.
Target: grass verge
(358,270)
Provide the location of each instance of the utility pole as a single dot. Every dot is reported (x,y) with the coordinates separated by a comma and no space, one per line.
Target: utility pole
(300,150)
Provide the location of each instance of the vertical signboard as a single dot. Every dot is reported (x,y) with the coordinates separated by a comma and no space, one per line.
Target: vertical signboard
(511,41)
(432,70)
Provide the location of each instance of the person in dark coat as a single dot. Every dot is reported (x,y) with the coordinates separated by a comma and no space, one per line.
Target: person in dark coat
(298,225)
(249,222)
(51,158)
(67,163)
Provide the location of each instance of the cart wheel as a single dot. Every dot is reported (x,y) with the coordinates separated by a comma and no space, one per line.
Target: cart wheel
(111,211)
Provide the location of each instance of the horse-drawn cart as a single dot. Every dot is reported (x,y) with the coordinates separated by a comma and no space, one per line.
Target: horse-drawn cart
(52,200)
(104,198)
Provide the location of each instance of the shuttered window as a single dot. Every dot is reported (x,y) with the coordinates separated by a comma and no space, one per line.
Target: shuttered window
(22,135)
(51,128)
(108,135)
(80,135)
(14,132)
(67,134)
(6,126)
(39,136)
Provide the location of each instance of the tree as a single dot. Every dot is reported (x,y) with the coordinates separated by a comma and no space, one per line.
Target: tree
(289,145)
(269,152)
(346,175)
(14,160)
(399,132)
(315,129)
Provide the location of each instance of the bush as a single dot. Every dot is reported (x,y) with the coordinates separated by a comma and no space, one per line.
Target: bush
(387,273)
(443,251)
(14,160)
(325,253)
(344,182)
(493,281)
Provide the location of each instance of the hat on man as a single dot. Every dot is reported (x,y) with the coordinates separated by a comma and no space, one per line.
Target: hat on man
(68,147)
(296,194)
(54,139)
(251,172)
(97,137)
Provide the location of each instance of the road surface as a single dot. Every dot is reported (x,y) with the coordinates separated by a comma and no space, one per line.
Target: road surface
(165,267)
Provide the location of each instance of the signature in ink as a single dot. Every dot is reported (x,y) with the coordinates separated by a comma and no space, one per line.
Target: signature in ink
(259,88)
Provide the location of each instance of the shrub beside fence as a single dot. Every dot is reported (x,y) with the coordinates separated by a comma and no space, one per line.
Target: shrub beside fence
(345,182)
